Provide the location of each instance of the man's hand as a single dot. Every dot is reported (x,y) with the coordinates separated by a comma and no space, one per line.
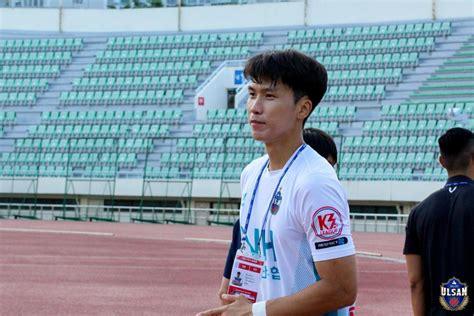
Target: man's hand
(223,290)
(237,305)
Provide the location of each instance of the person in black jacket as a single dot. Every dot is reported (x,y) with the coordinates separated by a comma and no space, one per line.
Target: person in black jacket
(439,245)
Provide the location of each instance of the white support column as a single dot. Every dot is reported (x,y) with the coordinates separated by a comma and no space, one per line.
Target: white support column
(91,207)
(201,214)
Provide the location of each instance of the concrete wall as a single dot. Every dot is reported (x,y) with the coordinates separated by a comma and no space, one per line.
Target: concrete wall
(366,11)
(242,16)
(318,12)
(214,94)
(138,20)
(448,9)
(46,20)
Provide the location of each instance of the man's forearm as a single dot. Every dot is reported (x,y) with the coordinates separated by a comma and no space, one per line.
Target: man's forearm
(317,299)
(415,277)
(418,299)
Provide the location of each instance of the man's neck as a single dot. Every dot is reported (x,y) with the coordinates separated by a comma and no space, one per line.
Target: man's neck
(280,153)
(456,174)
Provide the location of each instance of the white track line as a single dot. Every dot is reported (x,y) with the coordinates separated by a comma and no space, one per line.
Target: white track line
(381,258)
(70,232)
(371,254)
(218,241)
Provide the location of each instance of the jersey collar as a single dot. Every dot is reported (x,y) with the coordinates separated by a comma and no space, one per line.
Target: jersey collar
(457,179)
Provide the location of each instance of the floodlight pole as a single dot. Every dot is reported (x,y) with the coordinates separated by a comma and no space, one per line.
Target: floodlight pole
(60,16)
(306,12)
(145,181)
(179,15)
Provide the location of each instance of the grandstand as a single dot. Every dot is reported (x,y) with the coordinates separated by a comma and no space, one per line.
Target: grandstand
(101,117)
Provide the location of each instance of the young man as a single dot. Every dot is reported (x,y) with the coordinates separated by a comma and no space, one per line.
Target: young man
(440,235)
(294,212)
(325,146)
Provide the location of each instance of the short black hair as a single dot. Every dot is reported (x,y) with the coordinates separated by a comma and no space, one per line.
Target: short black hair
(303,74)
(457,147)
(321,142)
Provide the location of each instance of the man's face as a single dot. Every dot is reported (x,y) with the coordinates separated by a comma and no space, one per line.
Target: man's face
(272,112)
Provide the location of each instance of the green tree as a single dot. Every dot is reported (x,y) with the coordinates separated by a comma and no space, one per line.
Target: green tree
(156,4)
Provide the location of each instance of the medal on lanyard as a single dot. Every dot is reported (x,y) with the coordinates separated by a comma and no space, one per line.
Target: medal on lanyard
(248,267)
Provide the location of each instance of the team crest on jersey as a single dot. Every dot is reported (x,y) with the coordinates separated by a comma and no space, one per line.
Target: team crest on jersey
(276,202)
(454,295)
(327,223)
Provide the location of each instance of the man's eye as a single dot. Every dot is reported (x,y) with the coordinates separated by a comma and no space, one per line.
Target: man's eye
(269,96)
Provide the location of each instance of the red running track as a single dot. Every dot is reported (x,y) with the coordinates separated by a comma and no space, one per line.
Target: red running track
(71,268)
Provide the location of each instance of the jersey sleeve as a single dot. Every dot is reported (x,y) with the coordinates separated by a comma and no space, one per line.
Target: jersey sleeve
(235,244)
(412,244)
(324,213)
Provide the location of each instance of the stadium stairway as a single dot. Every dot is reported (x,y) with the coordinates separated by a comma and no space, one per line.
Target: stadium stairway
(451,81)
(273,38)
(415,77)
(449,52)
(75,70)
(429,62)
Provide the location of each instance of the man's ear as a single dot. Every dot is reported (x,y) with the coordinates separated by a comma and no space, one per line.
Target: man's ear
(442,161)
(305,107)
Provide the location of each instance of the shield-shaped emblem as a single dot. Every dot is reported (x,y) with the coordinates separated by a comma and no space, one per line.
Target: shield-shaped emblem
(454,295)
(276,202)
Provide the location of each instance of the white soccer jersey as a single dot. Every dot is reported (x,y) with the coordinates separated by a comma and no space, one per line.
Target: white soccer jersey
(311,223)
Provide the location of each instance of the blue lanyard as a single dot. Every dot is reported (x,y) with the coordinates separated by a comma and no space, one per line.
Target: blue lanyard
(455,184)
(252,200)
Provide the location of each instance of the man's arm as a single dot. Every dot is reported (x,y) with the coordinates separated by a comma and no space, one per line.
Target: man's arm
(235,244)
(415,277)
(336,289)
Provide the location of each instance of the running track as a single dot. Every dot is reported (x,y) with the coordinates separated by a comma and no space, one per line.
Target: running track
(79,268)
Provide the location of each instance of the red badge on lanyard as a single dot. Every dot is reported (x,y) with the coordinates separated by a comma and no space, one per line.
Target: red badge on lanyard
(246,275)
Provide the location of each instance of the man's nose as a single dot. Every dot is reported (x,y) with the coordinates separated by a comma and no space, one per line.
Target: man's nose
(255,105)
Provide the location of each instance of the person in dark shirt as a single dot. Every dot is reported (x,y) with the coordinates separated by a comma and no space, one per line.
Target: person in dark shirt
(439,245)
(324,145)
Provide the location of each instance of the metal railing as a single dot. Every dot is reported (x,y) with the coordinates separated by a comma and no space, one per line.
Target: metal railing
(360,222)
(373,222)
(119,213)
